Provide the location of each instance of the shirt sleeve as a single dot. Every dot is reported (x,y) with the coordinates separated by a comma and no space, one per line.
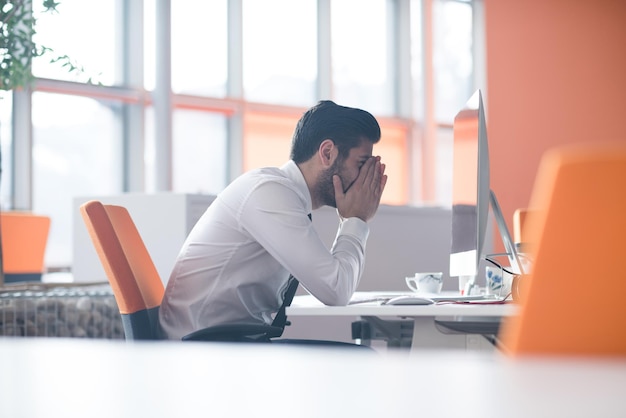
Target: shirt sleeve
(275,215)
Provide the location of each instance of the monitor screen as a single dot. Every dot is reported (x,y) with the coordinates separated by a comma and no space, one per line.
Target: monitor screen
(470,194)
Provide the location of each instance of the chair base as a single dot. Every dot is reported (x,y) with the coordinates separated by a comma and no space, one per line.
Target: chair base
(22,277)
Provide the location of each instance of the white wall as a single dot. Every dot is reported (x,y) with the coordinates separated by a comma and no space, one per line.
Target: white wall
(403,240)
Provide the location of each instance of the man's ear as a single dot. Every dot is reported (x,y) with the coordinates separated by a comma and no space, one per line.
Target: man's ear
(327,152)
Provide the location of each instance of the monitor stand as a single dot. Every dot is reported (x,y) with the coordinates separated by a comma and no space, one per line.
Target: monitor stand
(509,247)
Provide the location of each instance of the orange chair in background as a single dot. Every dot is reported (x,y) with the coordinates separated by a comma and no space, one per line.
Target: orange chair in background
(573,301)
(134,279)
(519,219)
(24,241)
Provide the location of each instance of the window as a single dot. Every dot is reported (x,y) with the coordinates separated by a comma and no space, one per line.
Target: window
(280,51)
(6,148)
(453,66)
(199,47)
(360,57)
(199,147)
(267,138)
(242,73)
(392,149)
(76,149)
(84,31)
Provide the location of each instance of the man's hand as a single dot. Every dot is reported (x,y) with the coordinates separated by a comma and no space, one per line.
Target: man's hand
(362,198)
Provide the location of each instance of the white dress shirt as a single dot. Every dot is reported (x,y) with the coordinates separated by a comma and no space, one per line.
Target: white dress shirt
(234,266)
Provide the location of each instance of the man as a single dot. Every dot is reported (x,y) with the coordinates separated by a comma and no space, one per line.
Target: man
(235,265)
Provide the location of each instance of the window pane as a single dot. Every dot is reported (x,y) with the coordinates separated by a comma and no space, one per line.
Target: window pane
(6,144)
(443,185)
(267,139)
(360,58)
(452,57)
(83,30)
(76,152)
(199,47)
(199,152)
(280,51)
(149,44)
(150,151)
(392,148)
(417,58)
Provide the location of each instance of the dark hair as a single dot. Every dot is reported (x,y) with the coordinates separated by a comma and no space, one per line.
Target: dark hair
(346,126)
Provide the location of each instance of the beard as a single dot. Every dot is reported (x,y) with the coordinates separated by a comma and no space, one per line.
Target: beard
(324,188)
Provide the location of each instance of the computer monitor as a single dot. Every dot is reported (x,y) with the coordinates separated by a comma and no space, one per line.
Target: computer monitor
(472,195)
(471,190)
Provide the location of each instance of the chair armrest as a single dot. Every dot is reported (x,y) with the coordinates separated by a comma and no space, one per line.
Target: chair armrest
(235,333)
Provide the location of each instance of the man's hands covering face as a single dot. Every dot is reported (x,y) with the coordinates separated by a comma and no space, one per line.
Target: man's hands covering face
(362,198)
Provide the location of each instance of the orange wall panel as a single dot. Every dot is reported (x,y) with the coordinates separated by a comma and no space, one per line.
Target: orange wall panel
(556,72)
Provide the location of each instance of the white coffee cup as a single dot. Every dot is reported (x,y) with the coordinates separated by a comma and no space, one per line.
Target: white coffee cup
(498,281)
(430,282)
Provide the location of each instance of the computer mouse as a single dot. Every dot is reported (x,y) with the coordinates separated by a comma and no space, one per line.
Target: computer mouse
(409,300)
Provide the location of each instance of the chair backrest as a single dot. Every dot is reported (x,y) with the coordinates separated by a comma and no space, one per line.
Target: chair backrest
(519,218)
(573,302)
(135,281)
(24,240)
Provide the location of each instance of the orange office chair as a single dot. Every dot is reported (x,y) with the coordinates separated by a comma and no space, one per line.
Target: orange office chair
(572,303)
(136,284)
(24,240)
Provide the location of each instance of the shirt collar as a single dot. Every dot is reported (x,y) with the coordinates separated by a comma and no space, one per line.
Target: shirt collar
(291,169)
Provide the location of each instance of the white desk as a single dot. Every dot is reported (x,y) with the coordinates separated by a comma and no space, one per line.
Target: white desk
(101,378)
(425,334)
